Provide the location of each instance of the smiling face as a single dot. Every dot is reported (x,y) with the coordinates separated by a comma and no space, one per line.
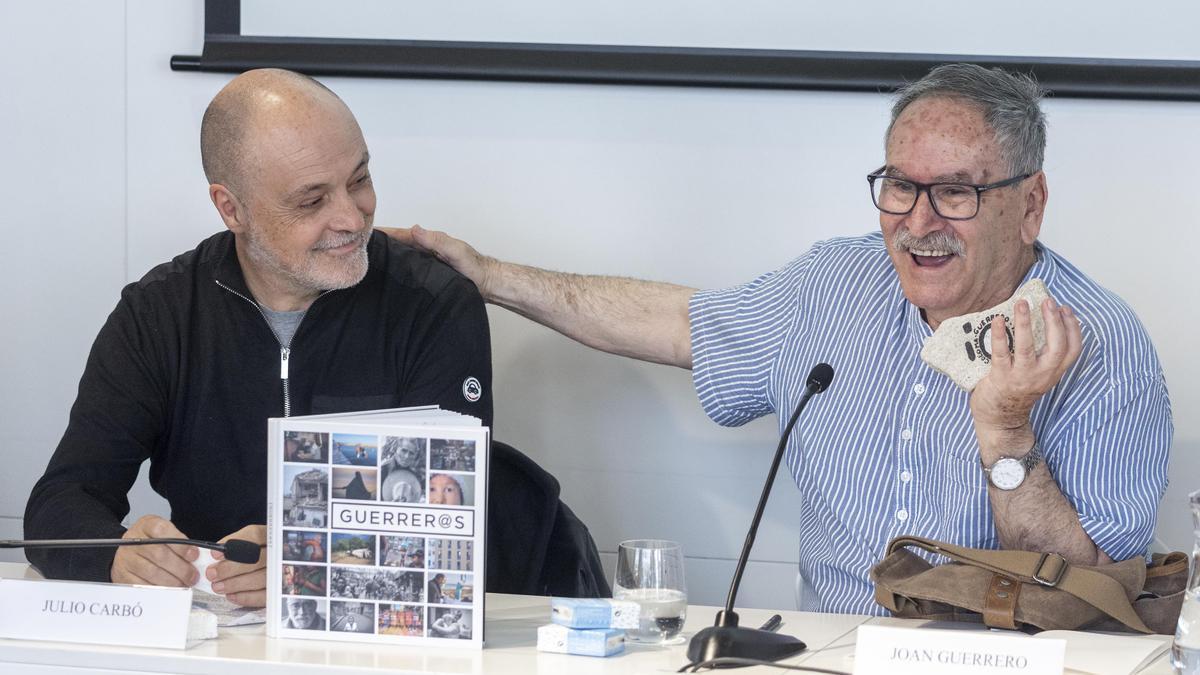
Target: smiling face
(953,267)
(302,204)
(311,208)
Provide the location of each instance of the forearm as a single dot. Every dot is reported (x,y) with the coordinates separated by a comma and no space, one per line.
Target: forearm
(62,511)
(641,319)
(1035,516)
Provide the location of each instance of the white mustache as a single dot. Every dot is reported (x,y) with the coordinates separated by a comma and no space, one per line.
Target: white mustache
(934,241)
(337,242)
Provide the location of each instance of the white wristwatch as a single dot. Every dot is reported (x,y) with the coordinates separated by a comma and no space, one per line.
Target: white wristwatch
(1007,473)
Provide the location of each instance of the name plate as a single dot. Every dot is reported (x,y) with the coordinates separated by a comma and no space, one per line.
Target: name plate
(920,651)
(105,614)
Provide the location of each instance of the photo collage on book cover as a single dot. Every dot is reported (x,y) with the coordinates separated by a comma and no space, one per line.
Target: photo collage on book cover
(353,582)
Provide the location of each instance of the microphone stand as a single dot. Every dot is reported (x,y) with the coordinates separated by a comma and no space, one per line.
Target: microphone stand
(726,638)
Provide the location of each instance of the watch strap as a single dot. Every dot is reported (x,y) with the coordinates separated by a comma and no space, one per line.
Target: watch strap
(1028,461)
(1032,458)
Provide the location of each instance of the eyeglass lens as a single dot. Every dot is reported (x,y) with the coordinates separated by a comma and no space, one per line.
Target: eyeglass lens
(894,195)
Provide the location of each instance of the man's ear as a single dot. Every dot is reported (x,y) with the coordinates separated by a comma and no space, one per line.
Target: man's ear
(229,207)
(1035,208)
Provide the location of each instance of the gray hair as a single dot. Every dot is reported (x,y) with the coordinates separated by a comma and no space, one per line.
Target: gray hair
(1008,101)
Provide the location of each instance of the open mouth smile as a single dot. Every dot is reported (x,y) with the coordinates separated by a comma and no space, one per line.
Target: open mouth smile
(930,258)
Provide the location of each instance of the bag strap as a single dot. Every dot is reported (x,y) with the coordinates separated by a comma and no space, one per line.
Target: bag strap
(1000,603)
(1045,569)
(1166,564)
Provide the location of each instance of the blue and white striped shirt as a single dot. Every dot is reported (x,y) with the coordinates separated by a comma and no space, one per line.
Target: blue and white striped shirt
(890,448)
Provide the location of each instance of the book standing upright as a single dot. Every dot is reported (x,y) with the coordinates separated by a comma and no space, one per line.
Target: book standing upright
(376,527)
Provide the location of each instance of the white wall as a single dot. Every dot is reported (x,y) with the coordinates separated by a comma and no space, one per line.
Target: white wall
(930,27)
(62,185)
(702,187)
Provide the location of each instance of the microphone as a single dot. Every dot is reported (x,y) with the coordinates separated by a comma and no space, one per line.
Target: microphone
(237,550)
(726,639)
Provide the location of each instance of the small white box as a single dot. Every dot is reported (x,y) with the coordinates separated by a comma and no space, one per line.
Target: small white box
(598,642)
(595,613)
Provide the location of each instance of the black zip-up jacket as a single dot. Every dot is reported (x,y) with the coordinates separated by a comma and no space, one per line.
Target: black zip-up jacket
(187,370)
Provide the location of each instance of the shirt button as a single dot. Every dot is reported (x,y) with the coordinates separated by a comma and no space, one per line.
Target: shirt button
(902,515)
(905,475)
(906,434)
(918,389)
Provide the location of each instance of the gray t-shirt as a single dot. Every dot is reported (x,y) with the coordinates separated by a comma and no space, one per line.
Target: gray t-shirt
(284,323)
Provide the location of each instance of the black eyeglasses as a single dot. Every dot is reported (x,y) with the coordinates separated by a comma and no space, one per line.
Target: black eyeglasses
(952,201)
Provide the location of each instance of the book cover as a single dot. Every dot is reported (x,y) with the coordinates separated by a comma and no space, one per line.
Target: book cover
(376,527)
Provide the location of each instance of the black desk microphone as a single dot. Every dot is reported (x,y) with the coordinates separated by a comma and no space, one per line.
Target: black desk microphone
(237,550)
(726,639)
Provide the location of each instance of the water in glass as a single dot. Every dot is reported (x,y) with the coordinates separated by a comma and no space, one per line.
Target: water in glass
(650,573)
(663,612)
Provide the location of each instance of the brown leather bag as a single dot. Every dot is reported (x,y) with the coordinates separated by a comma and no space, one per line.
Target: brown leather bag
(1018,589)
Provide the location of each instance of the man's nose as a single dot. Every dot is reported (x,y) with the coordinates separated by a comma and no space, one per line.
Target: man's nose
(345,215)
(923,219)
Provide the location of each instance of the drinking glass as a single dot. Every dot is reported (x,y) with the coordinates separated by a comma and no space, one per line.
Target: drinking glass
(650,573)
(1185,651)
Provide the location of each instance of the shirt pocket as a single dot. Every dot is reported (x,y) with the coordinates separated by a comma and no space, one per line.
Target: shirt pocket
(965,471)
(966,514)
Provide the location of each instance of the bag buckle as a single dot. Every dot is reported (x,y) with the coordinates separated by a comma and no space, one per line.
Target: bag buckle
(1062,569)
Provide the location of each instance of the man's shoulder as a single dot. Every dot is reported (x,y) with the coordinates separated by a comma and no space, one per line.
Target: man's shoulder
(858,263)
(404,267)
(171,287)
(184,268)
(871,242)
(1093,302)
(1112,330)
(841,254)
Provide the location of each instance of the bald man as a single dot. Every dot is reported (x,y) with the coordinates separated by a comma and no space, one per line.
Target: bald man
(297,308)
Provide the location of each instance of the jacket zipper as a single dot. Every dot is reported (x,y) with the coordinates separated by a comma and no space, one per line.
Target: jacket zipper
(285,351)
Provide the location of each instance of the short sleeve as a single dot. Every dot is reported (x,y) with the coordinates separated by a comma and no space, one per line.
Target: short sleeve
(1111,464)
(736,335)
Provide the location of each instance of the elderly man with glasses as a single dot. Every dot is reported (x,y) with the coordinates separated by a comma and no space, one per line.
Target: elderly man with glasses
(896,447)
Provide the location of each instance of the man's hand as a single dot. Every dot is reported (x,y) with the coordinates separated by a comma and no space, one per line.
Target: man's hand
(155,564)
(454,252)
(243,584)
(1005,397)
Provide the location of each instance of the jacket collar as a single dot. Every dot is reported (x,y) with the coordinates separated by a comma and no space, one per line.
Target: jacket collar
(228,269)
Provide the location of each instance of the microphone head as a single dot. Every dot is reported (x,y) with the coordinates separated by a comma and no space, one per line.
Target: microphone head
(820,377)
(241,551)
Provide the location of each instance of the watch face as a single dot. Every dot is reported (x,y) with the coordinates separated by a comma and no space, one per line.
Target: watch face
(1007,473)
